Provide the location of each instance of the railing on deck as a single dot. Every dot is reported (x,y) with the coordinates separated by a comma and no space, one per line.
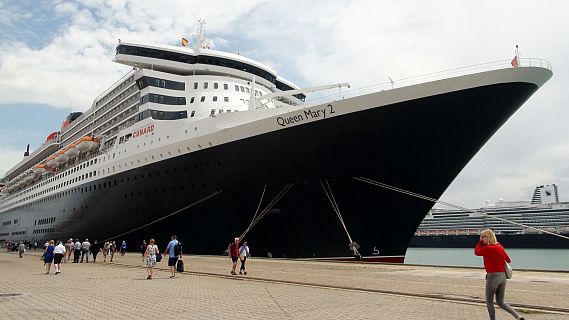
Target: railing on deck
(440,75)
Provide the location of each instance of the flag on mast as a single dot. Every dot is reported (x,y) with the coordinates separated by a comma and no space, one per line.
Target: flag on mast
(516,61)
(184,42)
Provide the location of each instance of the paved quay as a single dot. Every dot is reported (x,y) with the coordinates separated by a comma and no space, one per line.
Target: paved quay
(273,289)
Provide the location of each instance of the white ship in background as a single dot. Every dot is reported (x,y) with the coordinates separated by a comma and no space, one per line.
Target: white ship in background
(460,228)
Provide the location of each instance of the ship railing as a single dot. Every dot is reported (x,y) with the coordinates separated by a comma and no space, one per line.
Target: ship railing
(440,75)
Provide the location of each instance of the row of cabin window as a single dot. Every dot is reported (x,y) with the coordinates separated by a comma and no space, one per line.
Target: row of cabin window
(44,230)
(156,98)
(45,220)
(212,113)
(17,233)
(226,87)
(214,99)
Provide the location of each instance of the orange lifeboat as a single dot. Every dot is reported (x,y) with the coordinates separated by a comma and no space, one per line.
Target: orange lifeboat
(71,151)
(52,162)
(85,144)
(61,157)
(39,169)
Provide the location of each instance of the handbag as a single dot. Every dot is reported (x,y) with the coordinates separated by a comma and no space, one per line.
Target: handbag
(180,266)
(509,270)
(158,257)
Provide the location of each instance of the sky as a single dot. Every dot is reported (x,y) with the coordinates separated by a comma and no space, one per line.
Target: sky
(56,57)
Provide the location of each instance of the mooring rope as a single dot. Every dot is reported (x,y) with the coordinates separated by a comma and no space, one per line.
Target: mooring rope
(268,208)
(328,191)
(420,196)
(166,216)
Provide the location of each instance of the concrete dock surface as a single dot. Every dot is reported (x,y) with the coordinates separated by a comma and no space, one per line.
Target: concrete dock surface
(273,289)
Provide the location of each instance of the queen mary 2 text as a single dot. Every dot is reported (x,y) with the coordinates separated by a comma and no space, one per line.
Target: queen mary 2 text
(309,114)
(143,131)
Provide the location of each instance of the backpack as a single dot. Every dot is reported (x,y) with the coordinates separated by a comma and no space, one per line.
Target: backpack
(177,249)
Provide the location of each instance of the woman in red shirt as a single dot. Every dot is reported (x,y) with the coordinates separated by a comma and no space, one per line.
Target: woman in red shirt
(495,258)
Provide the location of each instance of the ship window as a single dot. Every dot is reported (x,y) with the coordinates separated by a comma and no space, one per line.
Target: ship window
(220,110)
(225,86)
(195,85)
(237,88)
(163,83)
(242,89)
(157,82)
(247,89)
(181,100)
(226,99)
(212,113)
(161,99)
(193,113)
(215,85)
(205,84)
(202,99)
(214,98)
(192,99)
(155,98)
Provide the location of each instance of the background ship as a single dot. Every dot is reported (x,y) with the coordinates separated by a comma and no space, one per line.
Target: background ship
(208,144)
(461,229)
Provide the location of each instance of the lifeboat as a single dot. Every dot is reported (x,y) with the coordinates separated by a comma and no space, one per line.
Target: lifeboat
(85,144)
(61,157)
(52,162)
(71,151)
(39,169)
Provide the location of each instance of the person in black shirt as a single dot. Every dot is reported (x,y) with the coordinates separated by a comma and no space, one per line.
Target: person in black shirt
(95,248)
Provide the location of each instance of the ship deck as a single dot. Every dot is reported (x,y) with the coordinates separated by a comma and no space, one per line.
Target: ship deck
(273,289)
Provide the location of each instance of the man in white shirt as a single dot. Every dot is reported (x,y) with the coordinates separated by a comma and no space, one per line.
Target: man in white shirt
(58,253)
(76,251)
(85,250)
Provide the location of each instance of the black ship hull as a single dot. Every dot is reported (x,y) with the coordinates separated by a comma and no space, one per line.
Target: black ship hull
(399,144)
(525,241)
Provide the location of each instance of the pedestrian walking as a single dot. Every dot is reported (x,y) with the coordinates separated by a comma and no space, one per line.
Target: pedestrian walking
(21,249)
(48,256)
(58,254)
(68,249)
(35,245)
(106,248)
(233,251)
(85,250)
(143,249)
(76,251)
(243,254)
(123,248)
(172,250)
(112,249)
(495,258)
(150,254)
(94,249)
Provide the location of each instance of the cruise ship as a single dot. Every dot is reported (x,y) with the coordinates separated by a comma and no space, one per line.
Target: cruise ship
(211,145)
(522,224)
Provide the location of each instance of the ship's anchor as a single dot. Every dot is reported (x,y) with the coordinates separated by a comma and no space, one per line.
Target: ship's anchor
(354,246)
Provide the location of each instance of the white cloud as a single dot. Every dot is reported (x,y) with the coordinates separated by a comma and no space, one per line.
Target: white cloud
(8,158)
